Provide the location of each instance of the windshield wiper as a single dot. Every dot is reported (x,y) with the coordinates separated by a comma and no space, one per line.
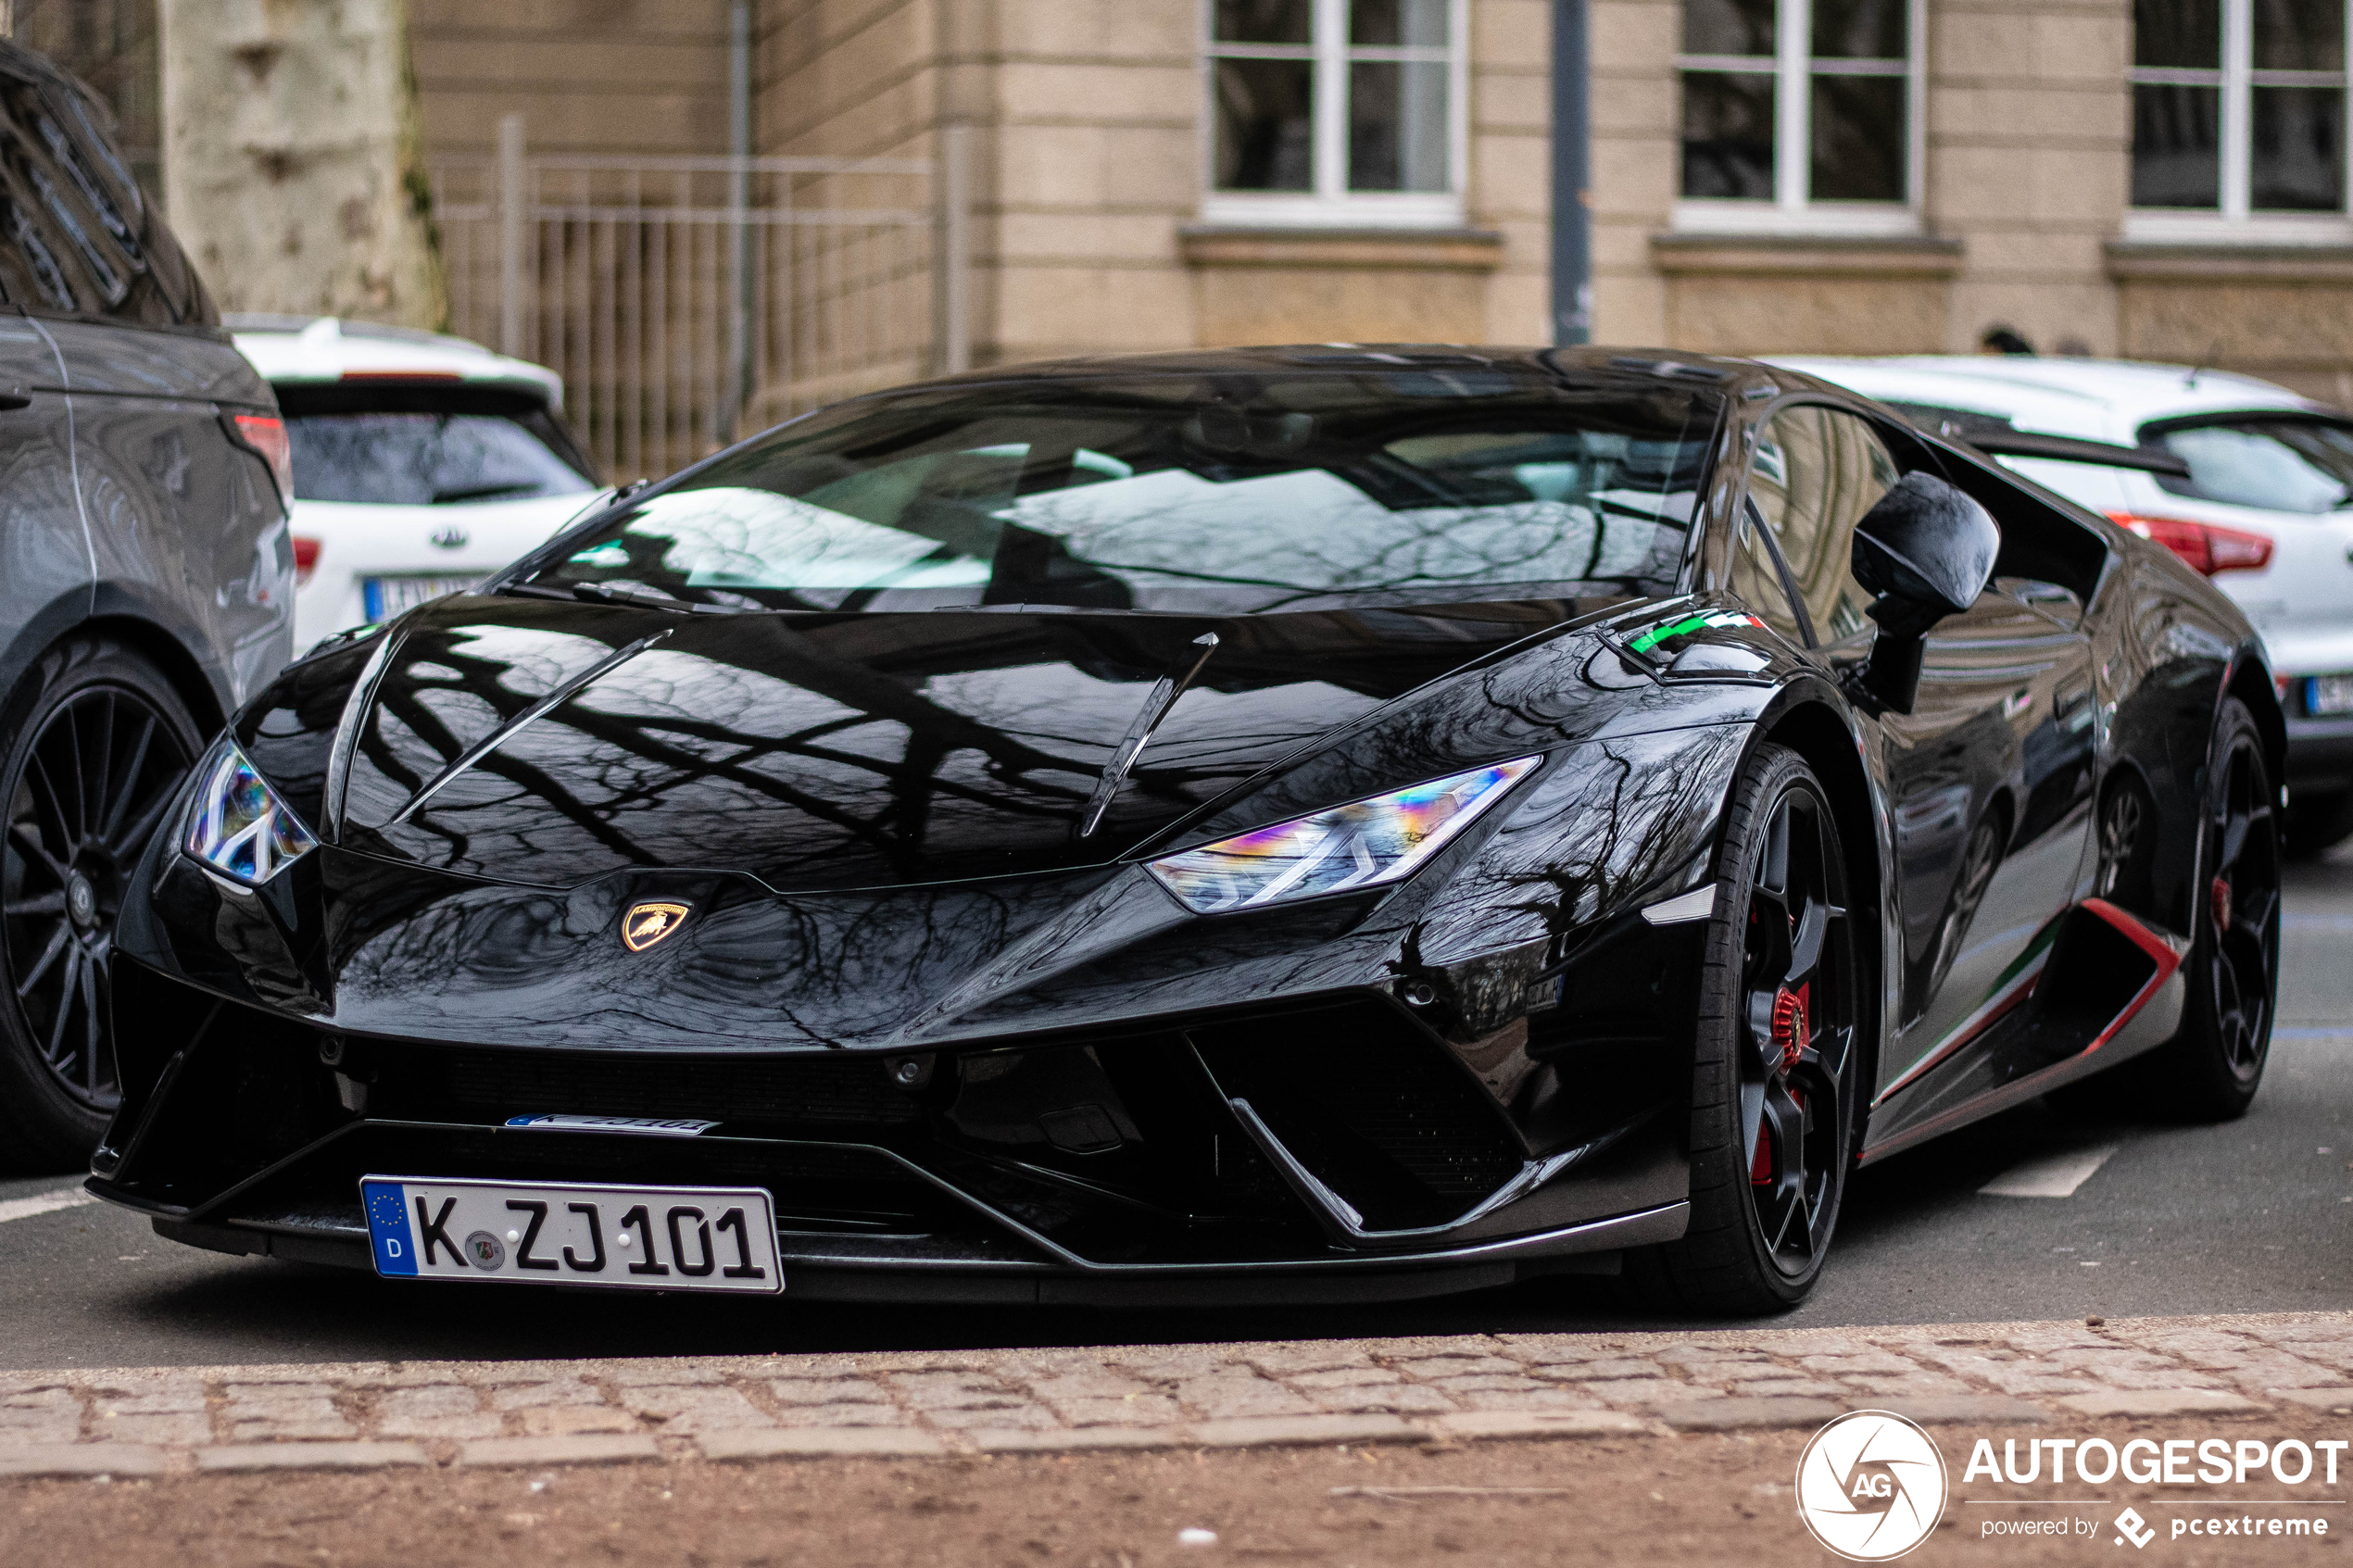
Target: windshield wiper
(481,493)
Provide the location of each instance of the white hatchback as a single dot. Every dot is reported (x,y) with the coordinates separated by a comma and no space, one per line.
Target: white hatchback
(2259,498)
(421,463)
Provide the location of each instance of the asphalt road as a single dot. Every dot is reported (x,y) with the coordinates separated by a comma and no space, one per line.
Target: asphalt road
(2252,1216)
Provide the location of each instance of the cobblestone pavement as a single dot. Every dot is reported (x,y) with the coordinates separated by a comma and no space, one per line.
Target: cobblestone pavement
(369,1415)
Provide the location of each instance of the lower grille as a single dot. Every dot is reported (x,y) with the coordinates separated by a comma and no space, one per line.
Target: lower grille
(1372,1107)
(830,1090)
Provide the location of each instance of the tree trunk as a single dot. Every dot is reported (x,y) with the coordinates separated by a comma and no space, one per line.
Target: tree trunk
(291,165)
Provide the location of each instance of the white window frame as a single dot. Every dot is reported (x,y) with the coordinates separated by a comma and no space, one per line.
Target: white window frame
(1331,204)
(1792,209)
(2235,222)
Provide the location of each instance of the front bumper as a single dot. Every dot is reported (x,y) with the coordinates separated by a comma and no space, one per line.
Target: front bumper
(1334,1149)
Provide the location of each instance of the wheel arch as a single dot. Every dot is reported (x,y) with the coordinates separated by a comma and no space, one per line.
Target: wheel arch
(2250,681)
(168,654)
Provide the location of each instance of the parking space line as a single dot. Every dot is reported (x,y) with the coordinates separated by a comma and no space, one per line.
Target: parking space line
(2054,1176)
(44,1203)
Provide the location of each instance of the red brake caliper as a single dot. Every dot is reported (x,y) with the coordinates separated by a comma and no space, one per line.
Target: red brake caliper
(1790,1032)
(2220,895)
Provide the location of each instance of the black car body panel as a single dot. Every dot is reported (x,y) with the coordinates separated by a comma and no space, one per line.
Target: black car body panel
(976,1052)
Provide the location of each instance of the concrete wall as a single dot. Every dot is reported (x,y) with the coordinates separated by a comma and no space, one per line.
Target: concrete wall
(1087,176)
(590,76)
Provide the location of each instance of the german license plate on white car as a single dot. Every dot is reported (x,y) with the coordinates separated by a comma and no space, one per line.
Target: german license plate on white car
(388,597)
(525,1232)
(2328,694)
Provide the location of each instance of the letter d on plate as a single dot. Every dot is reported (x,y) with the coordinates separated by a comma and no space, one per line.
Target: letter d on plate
(388,1228)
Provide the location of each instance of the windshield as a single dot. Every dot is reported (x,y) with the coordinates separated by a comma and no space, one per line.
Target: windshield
(1224,494)
(2284,465)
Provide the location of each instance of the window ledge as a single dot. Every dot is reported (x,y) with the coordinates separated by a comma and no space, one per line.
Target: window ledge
(1442,250)
(1885,256)
(2247,261)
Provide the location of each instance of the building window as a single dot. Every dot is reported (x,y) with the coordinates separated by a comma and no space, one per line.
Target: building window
(1801,114)
(1335,111)
(2238,113)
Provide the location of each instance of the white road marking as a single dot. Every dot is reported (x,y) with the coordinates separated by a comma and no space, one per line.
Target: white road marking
(44,1203)
(2055,1175)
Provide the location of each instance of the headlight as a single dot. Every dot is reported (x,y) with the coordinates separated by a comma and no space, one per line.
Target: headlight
(238,826)
(1362,844)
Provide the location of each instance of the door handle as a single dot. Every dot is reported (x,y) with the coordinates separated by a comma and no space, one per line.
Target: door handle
(11,401)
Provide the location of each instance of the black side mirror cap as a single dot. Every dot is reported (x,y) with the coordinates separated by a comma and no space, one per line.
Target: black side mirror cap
(1928,543)
(1927,549)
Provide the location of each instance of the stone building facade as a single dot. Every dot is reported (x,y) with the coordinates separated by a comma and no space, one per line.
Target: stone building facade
(2155,179)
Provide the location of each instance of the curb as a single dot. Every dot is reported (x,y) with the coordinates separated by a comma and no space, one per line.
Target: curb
(914,1404)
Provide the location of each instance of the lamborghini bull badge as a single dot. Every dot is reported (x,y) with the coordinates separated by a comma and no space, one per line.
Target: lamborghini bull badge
(649,923)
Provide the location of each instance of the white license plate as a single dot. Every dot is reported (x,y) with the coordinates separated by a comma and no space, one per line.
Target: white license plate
(388,597)
(2328,693)
(541,1232)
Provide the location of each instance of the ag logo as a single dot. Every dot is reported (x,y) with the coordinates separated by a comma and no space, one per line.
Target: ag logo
(1870,1486)
(649,923)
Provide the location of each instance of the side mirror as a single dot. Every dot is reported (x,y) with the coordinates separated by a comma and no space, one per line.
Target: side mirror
(1926,550)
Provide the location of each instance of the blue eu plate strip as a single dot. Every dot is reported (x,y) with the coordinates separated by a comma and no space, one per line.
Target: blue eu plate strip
(388,1227)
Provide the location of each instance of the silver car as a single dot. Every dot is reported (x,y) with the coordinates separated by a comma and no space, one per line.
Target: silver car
(146,578)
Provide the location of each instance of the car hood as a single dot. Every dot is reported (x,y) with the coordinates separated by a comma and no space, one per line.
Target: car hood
(551,744)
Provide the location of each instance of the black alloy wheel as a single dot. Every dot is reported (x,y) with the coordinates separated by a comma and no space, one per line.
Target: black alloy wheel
(2216,1061)
(92,755)
(1777,1059)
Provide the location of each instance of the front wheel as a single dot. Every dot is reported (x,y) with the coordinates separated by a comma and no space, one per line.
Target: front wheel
(1776,1059)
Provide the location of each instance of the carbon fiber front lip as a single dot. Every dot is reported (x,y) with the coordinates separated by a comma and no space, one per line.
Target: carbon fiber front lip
(1640,1228)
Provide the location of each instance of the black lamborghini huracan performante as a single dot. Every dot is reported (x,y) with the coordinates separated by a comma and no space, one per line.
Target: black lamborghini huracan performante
(1285,823)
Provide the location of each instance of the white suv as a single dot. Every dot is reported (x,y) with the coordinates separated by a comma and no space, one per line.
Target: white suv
(2247,481)
(421,463)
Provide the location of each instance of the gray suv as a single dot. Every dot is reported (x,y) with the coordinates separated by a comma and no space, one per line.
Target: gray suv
(146,577)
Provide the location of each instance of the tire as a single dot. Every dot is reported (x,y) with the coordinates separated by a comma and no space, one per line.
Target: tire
(2315,823)
(1776,1058)
(94,745)
(2210,1070)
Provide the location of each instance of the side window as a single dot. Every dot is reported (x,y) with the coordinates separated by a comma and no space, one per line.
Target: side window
(76,234)
(1817,471)
(1757,581)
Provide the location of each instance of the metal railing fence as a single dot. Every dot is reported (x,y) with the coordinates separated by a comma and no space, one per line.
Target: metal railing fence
(688,301)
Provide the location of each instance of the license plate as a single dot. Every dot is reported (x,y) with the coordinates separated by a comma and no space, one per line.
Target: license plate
(388,597)
(539,1233)
(2328,694)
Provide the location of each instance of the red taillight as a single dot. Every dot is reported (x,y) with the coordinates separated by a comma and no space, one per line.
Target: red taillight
(266,433)
(306,559)
(2208,547)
